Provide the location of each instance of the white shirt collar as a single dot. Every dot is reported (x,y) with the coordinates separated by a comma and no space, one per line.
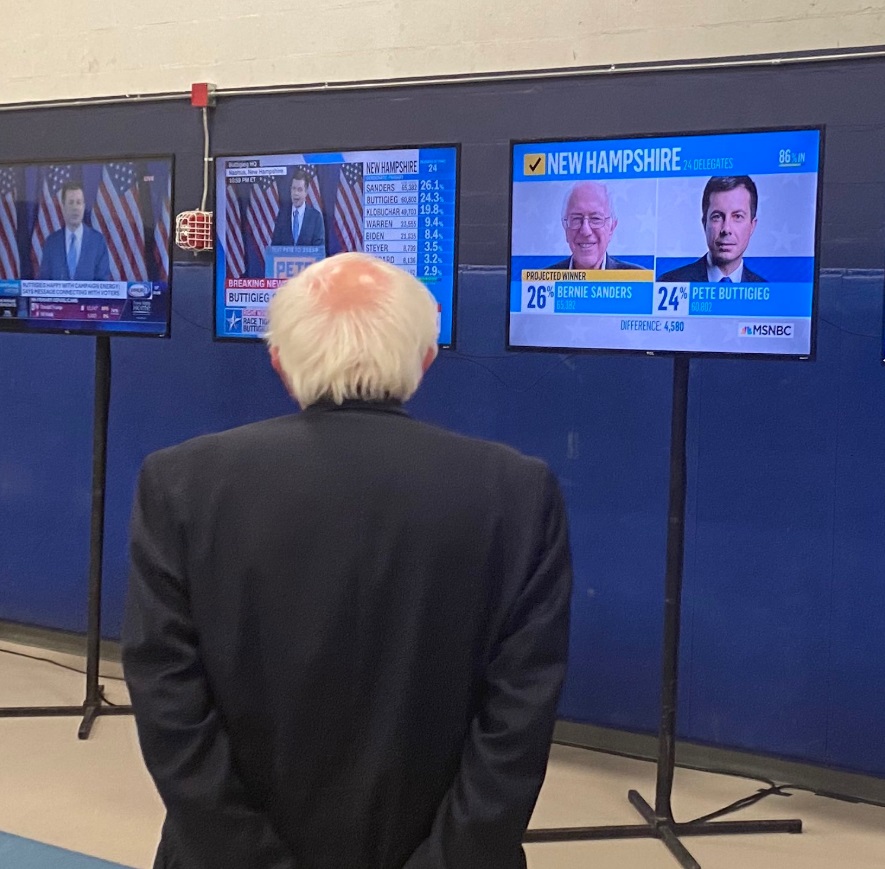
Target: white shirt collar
(714,273)
(77,233)
(603,267)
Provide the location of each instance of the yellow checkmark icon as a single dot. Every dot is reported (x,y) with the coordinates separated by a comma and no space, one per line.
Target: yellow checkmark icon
(534,164)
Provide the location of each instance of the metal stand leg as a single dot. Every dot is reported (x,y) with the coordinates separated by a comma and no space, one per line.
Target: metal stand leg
(659,823)
(92,704)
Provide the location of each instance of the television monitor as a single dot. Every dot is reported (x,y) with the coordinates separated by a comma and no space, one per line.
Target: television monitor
(397,204)
(704,243)
(85,246)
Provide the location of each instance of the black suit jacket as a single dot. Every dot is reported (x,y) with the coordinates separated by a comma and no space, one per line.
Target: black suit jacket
(312,230)
(697,272)
(610,263)
(345,637)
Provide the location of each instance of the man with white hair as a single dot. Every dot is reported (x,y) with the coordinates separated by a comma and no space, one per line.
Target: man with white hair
(346,630)
(589,221)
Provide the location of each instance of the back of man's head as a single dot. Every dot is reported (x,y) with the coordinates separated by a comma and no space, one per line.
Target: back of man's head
(352,327)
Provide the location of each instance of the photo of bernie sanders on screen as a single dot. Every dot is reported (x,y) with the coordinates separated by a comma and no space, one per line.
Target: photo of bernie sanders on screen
(589,222)
(728,215)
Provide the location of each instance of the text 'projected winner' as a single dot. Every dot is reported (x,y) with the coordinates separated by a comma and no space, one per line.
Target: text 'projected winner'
(277,214)
(701,243)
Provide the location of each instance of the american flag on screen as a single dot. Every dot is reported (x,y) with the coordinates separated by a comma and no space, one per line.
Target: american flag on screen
(314,197)
(349,207)
(262,212)
(233,235)
(49,217)
(117,217)
(162,223)
(10,268)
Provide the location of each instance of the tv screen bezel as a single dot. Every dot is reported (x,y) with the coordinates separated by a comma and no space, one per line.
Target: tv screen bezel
(715,354)
(248,340)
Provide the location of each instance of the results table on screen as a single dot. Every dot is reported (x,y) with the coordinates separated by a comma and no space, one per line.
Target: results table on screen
(399,205)
(410,218)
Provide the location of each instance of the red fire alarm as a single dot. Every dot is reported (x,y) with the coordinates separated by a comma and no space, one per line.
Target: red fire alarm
(193,230)
(202,95)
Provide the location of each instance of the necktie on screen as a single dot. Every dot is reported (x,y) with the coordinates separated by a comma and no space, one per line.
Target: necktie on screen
(726,280)
(72,257)
(296,226)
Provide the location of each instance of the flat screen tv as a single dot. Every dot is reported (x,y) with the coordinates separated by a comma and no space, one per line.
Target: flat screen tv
(278,213)
(704,243)
(85,246)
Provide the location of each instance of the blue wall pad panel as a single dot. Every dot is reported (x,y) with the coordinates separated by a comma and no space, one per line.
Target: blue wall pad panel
(784,607)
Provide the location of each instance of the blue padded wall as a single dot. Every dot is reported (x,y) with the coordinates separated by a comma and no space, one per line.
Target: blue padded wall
(784,631)
(784,635)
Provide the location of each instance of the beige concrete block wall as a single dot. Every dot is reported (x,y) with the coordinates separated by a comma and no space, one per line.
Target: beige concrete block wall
(56,50)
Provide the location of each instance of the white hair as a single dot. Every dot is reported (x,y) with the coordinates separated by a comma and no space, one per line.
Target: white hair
(597,184)
(352,326)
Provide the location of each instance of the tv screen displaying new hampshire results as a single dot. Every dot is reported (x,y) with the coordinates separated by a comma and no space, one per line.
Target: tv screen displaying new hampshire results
(701,243)
(84,246)
(277,214)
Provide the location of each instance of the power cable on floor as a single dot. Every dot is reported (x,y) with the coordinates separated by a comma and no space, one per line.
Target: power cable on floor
(57,664)
(772,789)
(745,802)
(66,667)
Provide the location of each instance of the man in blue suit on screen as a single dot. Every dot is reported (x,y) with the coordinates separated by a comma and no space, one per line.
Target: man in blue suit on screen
(728,215)
(76,252)
(589,221)
(301,224)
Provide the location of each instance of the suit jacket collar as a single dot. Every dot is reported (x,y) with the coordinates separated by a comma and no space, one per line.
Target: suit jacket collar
(357,404)
(79,232)
(736,277)
(606,264)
